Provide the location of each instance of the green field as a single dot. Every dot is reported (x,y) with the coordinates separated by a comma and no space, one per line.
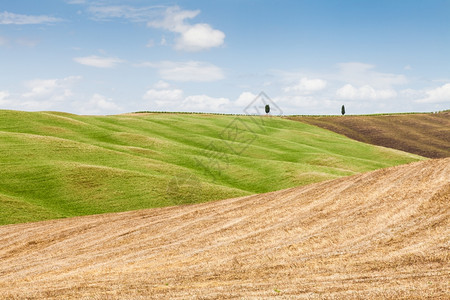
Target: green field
(56,165)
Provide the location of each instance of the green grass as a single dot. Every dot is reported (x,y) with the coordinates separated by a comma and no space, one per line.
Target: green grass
(56,165)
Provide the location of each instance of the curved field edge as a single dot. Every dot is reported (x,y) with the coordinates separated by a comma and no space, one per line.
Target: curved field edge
(377,235)
(57,165)
(425,134)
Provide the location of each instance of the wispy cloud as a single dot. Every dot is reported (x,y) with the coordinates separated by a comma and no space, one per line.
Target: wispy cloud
(57,94)
(4,97)
(365,92)
(306,86)
(20,41)
(55,89)
(194,71)
(168,98)
(76,1)
(27,42)
(164,96)
(360,74)
(44,94)
(133,14)
(407,68)
(98,62)
(98,104)
(8,18)
(150,44)
(204,103)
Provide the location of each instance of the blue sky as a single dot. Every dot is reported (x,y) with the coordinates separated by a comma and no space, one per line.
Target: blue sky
(309,57)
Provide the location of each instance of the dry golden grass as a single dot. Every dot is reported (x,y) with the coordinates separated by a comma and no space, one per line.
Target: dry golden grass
(383,234)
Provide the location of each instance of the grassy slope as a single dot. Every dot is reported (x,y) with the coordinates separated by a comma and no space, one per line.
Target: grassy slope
(423,134)
(377,235)
(58,165)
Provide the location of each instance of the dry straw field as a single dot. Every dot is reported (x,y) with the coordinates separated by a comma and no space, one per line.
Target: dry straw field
(383,234)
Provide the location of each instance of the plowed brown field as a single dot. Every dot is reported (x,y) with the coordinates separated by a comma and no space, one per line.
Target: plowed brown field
(383,234)
(424,134)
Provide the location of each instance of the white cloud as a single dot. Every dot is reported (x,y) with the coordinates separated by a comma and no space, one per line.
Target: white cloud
(411,94)
(8,18)
(287,103)
(150,44)
(194,71)
(174,19)
(245,99)
(4,95)
(163,96)
(162,85)
(98,104)
(36,105)
(204,103)
(307,86)
(51,89)
(40,87)
(361,74)
(42,94)
(199,37)
(355,67)
(438,95)
(174,100)
(58,94)
(98,62)
(195,37)
(366,92)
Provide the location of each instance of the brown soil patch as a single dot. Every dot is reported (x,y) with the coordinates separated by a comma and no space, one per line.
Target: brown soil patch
(383,234)
(423,134)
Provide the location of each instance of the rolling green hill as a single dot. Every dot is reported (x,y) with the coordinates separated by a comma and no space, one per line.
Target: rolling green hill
(56,165)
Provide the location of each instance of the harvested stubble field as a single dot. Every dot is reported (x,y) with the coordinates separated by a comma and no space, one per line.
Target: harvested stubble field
(425,134)
(382,234)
